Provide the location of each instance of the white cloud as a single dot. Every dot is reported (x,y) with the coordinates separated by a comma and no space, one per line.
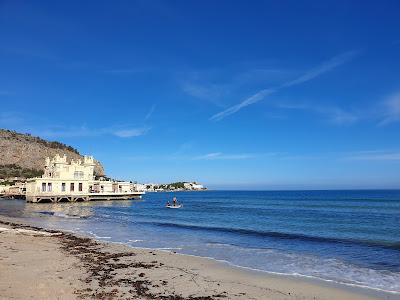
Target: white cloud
(132,132)
(323,68)
(316,72)
(22,123)
(391,111)
(60,132)
(217,85)
(222,156)
(339,116)
(183,148)
(150,112)
(375,156)
(251,100)
(332,114)
(83,131)
(212,93)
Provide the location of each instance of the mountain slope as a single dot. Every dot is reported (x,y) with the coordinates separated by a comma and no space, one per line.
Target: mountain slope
(25,155)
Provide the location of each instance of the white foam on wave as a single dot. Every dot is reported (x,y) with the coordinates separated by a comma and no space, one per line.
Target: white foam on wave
(98,236)
(169,248)
(308,266)
(103,237)
(63,215)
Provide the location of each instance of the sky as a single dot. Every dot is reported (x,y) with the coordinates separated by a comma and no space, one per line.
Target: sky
(260,95)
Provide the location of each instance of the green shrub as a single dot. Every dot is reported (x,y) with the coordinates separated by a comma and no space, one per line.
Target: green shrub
(12,170)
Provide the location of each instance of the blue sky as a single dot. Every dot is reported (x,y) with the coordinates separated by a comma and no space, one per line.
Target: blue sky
(234,94)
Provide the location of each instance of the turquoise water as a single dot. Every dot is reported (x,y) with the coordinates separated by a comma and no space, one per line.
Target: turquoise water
(351,237)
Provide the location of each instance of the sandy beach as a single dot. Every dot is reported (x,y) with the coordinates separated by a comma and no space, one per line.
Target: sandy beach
(40,264)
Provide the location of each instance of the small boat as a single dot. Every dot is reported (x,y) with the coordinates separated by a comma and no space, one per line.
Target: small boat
(174,206)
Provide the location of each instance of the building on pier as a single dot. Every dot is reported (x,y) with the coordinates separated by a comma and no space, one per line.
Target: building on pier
(64,181)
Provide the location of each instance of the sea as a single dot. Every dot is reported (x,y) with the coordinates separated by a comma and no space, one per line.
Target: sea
(348,237)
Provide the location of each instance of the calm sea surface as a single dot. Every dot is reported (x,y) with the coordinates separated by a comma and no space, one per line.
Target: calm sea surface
(350,237)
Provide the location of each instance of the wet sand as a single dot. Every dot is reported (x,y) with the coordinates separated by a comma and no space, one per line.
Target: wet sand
(42,264)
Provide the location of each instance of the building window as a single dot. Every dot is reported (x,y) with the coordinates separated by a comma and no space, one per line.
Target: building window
(80,187)
(63,187)
(43,187)
(72,187)
(78,175)
(49,187)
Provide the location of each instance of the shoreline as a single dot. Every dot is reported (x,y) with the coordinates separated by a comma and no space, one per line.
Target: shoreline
(168,275)
(363,289)
(358,289)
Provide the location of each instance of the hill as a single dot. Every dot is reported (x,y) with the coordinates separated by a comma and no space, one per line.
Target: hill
(23,155)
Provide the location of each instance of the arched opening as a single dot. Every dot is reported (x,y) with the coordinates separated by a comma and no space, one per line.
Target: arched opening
(79,199)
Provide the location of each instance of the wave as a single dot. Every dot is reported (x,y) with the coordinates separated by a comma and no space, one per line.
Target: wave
(169,248)
(98,236)
(135,241)
(353,283)
(61,215)
(274,234)
(102,237)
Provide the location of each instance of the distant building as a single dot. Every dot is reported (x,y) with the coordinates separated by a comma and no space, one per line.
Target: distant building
(193,186)
(3,189)
(140,187)
(187,185)
(196,186)
(175,187)
(19,188)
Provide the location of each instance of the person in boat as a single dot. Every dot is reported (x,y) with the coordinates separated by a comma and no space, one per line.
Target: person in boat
(168,204)
(174,201)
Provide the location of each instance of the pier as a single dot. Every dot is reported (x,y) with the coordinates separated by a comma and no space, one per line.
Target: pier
(56,198)
(13,196)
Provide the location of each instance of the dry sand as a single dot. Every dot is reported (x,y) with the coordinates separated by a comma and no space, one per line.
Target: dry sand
(40,264)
